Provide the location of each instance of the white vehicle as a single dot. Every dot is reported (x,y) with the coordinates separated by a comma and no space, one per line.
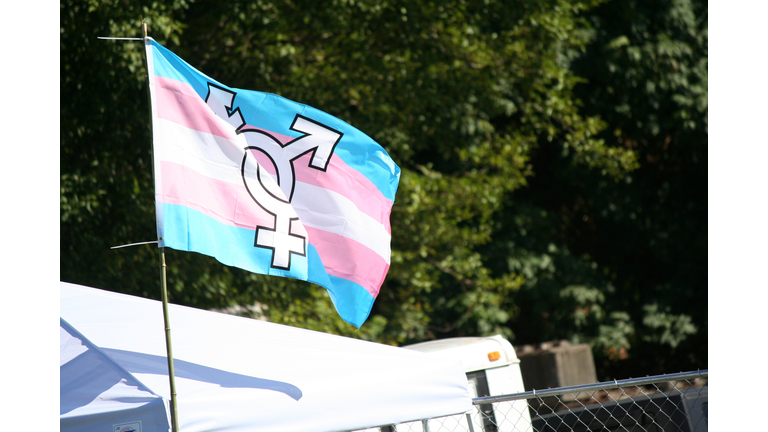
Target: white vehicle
(492,369)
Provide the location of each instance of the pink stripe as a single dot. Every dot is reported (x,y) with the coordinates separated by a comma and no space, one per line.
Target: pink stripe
(345,181)
(342,180)
(223,201)
(179,103)
(348,259)
(284,139)
(231,204)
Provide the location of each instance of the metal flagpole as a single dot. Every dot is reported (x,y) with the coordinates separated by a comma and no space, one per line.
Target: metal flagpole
(163,287)
(163,277)
(163,266)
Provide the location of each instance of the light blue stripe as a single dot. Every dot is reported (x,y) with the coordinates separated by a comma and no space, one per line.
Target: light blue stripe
(186,229)
(169,65)
(276,113)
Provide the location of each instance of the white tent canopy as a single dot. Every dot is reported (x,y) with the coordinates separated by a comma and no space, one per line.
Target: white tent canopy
(234,373)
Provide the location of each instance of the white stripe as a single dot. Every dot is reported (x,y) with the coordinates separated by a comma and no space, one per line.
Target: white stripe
(210,155)
(330,211)
(155,161)
(220,158)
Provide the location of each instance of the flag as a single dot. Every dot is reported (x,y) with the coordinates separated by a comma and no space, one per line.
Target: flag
(269,185)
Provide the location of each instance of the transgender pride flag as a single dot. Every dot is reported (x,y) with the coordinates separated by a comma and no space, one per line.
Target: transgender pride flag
(269,185)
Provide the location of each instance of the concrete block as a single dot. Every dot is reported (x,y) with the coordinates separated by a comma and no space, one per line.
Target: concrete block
(556,364)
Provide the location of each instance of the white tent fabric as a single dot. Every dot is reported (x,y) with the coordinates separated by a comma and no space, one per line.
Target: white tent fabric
(96,392)
(239,374)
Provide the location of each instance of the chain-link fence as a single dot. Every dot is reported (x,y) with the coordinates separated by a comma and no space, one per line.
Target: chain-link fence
(663,403)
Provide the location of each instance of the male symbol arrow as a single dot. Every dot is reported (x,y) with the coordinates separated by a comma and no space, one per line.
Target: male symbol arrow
(276,197)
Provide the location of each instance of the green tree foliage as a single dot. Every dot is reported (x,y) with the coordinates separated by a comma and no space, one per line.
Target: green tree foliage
(477,103)
(622,263)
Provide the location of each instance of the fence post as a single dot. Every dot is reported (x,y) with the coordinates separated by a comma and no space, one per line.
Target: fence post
(469,422)
(425,425)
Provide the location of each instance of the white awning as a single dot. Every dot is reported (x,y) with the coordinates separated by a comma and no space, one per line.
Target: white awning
(238,374)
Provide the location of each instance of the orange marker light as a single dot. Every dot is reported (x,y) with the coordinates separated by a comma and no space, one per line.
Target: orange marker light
(493,356)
